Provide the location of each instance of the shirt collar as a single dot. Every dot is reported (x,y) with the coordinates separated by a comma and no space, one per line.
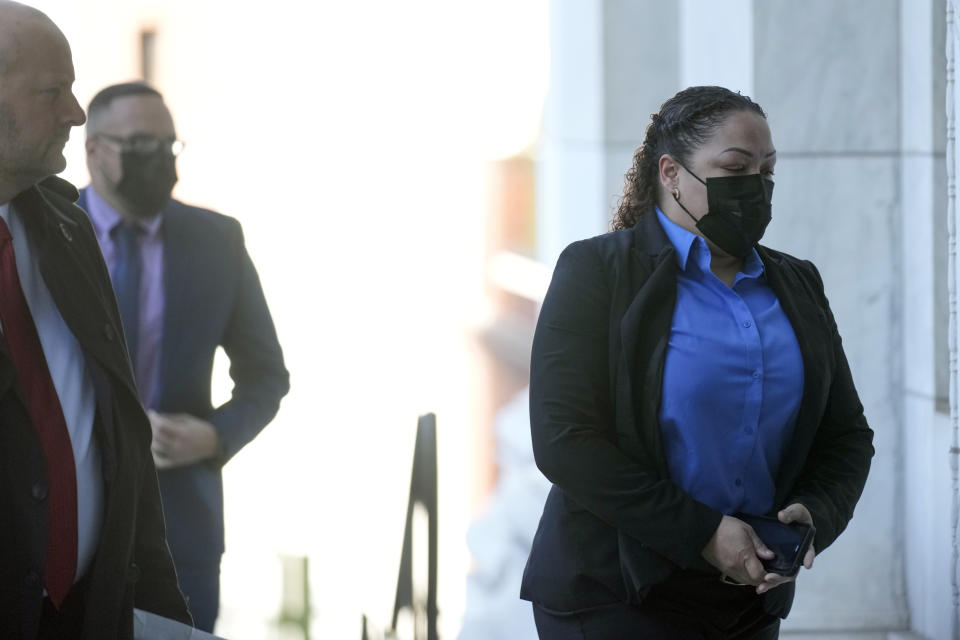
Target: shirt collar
(105,217)
(681,239)
(687,244)
(752,265)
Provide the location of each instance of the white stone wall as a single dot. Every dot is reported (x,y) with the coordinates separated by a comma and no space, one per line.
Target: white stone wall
(853,91)
(609,70)
(952,100)
(925,439)
(827,74)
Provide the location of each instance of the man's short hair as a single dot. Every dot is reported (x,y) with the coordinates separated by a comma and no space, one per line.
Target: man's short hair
(102,101)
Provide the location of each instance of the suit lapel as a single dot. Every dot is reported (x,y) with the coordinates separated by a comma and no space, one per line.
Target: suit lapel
(176,271)
(67,275)
(644,334)
(105,420)
(811,330)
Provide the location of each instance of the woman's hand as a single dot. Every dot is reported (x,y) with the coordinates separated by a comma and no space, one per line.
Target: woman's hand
(736,551)
(796,512)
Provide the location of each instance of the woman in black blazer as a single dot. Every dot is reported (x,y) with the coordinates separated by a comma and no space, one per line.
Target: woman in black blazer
(682,373)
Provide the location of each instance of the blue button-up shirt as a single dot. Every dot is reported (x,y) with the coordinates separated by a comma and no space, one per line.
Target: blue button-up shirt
(732,381)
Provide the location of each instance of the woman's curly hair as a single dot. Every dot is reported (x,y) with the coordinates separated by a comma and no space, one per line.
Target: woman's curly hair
(683,123)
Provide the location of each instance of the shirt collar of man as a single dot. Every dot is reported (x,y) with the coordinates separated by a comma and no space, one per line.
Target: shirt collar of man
(689,244)
(105,217)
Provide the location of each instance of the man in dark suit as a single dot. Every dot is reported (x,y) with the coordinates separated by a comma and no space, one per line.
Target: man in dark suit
(185,285)
(81,525)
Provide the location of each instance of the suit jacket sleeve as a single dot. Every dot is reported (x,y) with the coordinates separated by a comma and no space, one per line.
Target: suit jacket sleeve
(256,364)
(572,423)
(836,467)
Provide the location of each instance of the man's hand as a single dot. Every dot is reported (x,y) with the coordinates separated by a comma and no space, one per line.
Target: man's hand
(736,551)
(180,439)
(796,512)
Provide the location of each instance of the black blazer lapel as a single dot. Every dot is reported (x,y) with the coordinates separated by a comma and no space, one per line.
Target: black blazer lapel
(644,334)
(815,341)
(68,274)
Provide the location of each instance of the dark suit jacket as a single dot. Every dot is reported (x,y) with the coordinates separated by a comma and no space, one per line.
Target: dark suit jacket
(132,564)
(614,524)
(213,298)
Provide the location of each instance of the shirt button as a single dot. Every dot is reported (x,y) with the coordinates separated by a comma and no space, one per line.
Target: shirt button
(738,482)
(38,491)
(32,579)
(747,324)
(756,375)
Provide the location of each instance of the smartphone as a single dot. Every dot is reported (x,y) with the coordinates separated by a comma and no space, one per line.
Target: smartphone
(788,541)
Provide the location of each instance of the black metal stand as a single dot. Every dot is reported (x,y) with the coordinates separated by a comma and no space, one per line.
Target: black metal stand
(423,491)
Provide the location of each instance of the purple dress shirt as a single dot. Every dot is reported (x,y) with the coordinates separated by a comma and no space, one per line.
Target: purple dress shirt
(152,298)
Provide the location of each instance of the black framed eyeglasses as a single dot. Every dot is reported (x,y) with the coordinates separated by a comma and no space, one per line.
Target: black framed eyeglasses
(146,144)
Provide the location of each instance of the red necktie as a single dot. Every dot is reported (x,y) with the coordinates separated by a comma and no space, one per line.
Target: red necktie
(43,406)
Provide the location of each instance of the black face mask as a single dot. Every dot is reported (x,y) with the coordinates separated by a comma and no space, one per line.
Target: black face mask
(146,180)
(738,211)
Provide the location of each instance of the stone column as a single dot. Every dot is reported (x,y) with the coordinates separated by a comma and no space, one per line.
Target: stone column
(952,109)
(612,63)
(925,436)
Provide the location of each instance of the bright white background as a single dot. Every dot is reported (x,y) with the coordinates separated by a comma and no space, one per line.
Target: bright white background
(351,140)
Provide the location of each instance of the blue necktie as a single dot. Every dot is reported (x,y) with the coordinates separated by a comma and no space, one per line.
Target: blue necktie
(126,282)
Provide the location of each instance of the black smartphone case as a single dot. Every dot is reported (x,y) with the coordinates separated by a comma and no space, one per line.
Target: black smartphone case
(788,541)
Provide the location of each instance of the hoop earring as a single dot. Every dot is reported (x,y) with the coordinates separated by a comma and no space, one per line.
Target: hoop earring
(676,194)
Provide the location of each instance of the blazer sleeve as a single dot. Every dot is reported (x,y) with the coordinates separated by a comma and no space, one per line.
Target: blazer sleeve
(256,364)
(572,421)
(837,464)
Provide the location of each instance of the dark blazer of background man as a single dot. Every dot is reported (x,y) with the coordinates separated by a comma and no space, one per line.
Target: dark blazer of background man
(198,290)
(119,557)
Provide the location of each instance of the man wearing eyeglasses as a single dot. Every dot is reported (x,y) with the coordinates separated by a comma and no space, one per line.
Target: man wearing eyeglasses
(185,286)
